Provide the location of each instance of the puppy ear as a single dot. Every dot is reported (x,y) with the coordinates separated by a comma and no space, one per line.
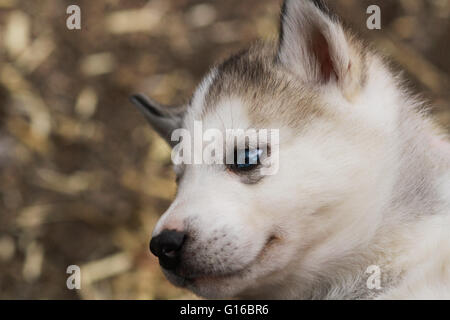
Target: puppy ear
(162,118)
(313,43)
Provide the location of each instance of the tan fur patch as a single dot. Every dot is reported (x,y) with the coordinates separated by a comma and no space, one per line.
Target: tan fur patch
(267,88)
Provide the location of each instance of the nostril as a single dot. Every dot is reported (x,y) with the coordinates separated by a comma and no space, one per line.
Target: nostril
(169,253)
(167,247)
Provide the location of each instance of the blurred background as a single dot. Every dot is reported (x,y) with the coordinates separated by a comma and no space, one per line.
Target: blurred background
(83,179)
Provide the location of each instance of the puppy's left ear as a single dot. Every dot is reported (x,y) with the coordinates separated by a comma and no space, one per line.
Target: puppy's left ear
(314,45)
(162,118)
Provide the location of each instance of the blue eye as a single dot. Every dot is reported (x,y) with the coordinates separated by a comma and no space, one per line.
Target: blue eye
(247,159)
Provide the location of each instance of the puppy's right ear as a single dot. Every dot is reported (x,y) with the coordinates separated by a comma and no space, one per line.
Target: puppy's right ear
(162,118)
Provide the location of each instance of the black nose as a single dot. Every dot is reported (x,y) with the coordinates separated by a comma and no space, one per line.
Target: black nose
(167,247)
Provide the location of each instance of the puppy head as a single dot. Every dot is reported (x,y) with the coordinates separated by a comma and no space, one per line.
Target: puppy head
(232,229)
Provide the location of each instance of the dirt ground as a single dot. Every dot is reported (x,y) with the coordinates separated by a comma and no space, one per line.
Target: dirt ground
(83,179)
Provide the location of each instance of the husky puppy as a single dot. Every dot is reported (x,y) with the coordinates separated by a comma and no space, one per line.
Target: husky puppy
(360,205)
